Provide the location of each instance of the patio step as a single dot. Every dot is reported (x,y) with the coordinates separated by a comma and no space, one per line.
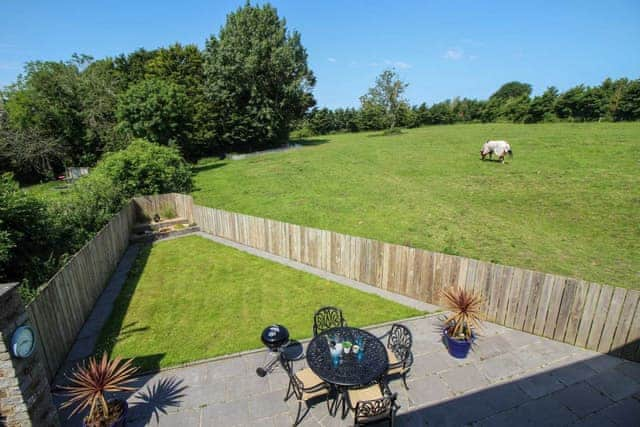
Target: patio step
(151,236)
(138,228)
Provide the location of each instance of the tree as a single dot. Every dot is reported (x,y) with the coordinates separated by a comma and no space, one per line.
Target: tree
(515,109)
(580,103)
(508,102)
(30,152)
(100,86)
(159,111)
(321,121)
(386,96)
(441,113)
(184,66)
(46,100)
(629,104)
(257,79)
(372,117)
(511,90)
(541,107)
(132,68)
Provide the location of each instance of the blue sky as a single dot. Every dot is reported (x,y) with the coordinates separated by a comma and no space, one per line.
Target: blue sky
(441,48)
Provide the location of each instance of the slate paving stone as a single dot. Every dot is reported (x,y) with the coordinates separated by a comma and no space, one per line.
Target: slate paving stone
(278,381)
(573,373)
(283,420)
(541,412)
(530,360)
(491,347)
(630,369)
(267,405)
(614,384)
(225,368)
(426,390)
(582,399)
(226,414)
(594,420)
(457,412)
(253,361)
(413,419)
(464,379)
(500,367)
(429,364)
(189,418)
(423,347)
(549,350)
(540,385)
(602,363)
(243,387)
(490,329)
(504,396)
(192,375)
(518,339)
(199,395)
(624,413)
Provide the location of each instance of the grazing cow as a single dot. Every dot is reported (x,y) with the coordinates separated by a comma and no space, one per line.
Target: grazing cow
(499,148)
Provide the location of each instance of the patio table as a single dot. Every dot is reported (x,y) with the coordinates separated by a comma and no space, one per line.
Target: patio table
(353,370)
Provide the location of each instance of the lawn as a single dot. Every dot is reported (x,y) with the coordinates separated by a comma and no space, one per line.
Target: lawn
(190,298)
(567,203)
(48,190)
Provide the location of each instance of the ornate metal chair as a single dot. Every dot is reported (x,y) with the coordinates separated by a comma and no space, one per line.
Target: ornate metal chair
(373,404)
(399,343)
(327,318)
(305,386)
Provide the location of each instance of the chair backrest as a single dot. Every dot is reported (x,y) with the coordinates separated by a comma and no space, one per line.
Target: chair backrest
(371,411)
(327,318)
(400,341)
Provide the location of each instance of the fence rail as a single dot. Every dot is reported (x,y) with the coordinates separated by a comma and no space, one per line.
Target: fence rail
(64,302)
(590,315)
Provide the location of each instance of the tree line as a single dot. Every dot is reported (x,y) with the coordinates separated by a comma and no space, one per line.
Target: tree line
(240,93)
(383,107)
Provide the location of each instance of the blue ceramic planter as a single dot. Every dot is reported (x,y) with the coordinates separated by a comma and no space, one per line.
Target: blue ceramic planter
(457,348)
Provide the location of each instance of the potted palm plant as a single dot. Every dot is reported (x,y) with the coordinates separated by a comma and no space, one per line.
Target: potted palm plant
(88,385)
(459,327)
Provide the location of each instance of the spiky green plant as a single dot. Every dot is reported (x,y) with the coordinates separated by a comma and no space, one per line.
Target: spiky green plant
(465,311)
(89,383)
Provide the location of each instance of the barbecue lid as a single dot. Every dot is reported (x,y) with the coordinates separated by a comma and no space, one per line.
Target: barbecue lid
(275,334)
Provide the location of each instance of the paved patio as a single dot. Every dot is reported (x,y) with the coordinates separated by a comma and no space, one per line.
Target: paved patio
(511,378)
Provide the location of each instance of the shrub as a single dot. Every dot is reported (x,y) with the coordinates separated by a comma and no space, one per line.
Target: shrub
(145,168)
(26,233)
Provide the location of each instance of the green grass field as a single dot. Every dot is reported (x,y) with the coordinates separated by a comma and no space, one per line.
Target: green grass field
(48,190)
(190,298)
(567,203)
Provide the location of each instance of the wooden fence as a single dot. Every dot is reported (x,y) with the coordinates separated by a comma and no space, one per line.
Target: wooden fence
(64,303)
(148,206)
(598,317)
(590,315)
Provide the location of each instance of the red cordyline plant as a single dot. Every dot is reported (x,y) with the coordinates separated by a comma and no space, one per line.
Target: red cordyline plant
(90,382)
(465,311)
